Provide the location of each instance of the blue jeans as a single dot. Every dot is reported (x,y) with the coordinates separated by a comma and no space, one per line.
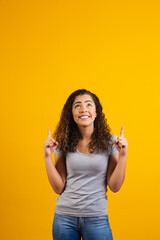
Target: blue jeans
(73,228)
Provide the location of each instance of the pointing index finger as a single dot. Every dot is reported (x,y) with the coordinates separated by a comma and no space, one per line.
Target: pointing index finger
(121,133)
(49,132)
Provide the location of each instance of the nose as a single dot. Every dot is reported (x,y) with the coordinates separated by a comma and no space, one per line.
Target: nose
(82,109)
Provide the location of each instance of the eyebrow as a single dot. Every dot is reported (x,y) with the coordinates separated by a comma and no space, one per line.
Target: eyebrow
(85,101)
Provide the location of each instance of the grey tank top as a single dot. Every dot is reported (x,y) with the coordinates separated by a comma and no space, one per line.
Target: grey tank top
(85,191)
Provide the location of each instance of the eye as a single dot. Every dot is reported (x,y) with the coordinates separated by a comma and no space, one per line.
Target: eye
(89,104)
(77,106)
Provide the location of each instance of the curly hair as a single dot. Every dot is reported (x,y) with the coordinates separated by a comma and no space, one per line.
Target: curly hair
(68,135)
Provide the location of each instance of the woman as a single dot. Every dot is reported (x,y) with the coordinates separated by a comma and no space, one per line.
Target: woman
(87,159)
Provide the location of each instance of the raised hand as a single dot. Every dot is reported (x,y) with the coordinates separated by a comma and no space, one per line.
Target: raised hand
(49,145)
(121,143)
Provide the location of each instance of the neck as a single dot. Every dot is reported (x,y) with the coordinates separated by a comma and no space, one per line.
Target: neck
(86,132)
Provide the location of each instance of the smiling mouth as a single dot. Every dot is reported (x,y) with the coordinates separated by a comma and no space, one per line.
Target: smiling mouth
(84,117)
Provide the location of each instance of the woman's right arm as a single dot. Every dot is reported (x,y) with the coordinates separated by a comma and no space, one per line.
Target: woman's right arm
(56,173)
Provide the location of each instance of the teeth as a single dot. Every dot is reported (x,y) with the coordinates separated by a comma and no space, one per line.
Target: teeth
(84,117)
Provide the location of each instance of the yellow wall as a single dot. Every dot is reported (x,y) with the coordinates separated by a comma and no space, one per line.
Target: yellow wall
(51,48)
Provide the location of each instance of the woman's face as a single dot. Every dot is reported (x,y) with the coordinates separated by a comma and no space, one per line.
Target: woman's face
(84,110)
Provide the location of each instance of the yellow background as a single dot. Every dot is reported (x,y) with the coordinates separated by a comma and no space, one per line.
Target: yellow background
(50,49)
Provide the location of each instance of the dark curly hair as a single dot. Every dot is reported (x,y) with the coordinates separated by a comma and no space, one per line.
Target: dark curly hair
(67,133)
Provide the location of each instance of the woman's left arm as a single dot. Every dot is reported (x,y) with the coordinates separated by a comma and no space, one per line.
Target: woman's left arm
(117,164)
